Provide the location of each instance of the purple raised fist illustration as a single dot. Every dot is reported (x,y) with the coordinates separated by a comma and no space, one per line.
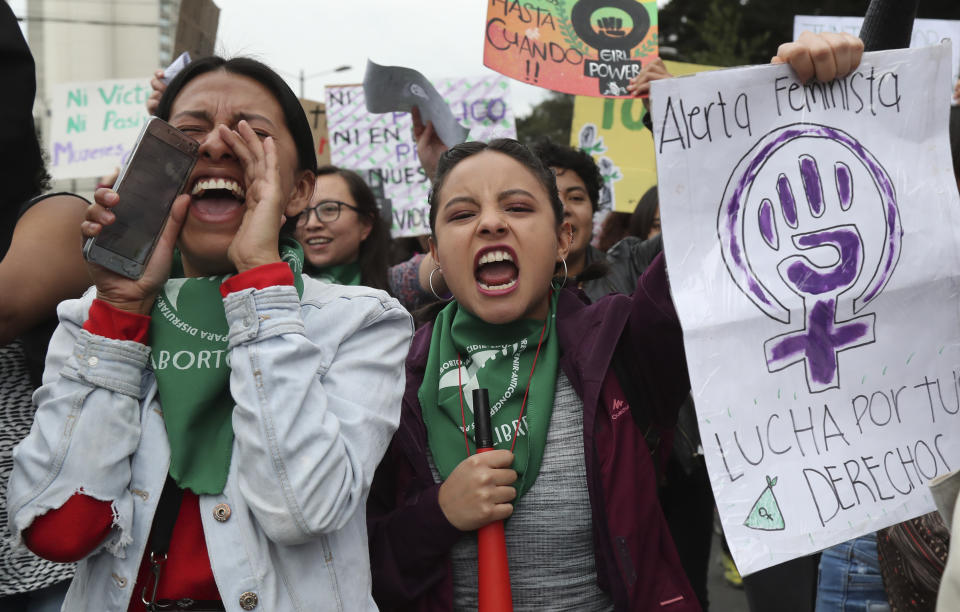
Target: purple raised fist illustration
(809,230)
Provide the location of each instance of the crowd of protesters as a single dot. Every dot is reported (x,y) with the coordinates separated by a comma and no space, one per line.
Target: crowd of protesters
(323,463)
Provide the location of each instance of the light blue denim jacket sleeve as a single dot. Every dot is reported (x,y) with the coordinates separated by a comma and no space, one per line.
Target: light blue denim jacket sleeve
(86,428)
(317,383)
(301,481)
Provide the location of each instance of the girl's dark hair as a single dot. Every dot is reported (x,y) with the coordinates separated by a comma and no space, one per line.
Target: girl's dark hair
(507,146)
(375,250)
(559,156)
(293,114)
(642,218)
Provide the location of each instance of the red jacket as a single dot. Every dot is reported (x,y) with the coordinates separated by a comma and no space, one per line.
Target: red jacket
(637,563)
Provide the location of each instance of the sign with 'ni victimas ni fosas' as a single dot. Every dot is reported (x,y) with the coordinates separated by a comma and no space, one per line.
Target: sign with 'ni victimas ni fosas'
(811,234)
(93,125)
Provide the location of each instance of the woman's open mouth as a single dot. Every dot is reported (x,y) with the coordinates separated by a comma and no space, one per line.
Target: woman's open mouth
(496,270)
(216,199)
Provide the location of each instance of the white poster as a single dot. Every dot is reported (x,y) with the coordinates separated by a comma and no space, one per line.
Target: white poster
(382,149)
(93,125)
(811,235)
(926,32)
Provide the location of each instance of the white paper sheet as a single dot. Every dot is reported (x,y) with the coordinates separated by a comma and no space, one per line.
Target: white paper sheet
(812,245)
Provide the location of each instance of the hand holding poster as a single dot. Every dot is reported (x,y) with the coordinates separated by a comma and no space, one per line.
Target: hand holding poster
(811,236)
(93,125)
(581,47)
(926,32)
(395,88)
(382,149)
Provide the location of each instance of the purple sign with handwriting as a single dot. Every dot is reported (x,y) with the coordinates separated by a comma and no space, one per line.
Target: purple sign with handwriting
(811,234)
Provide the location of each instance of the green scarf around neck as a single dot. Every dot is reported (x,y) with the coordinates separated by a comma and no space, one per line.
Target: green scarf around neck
(188,338)
(497,358)
(344,274)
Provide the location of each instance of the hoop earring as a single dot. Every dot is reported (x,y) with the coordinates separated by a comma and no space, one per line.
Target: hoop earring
(434,291)
(566,275)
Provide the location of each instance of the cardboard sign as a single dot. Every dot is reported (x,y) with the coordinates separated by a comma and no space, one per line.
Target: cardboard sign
(811,234)
(93,125)
(612,131)
(926,32)
(388,89)
(580,47)
(382,149)
(317,118)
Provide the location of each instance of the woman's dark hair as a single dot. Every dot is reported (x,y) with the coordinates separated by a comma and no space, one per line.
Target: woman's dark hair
(559,156)
(375,250)
(643,215)
(614,228)
(293,114)
(507,146)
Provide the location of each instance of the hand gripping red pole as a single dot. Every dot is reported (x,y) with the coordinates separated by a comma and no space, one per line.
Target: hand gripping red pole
(493,570)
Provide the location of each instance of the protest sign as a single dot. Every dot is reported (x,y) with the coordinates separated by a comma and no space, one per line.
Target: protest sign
(388,89)
(382,149)
(317,118)
(612,131)
(93,125)
(925,32)
(811,234)
(580,47)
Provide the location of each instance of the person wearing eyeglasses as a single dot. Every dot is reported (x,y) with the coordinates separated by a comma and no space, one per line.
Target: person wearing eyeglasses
(346,241)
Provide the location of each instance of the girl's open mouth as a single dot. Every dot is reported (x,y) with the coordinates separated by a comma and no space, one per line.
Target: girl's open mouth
(495,270)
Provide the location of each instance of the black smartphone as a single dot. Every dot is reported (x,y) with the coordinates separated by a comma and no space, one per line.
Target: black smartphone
(153,176)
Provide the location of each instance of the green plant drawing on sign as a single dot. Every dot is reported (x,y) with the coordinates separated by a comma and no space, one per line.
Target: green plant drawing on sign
(566,28)
(647,47)
(765,514)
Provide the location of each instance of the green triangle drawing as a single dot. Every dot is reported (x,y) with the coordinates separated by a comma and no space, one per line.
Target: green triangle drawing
(765,514)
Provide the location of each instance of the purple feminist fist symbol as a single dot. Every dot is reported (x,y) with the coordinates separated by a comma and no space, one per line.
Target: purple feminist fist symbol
(829,239)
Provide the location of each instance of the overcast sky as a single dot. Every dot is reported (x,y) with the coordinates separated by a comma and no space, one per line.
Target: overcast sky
(440,38)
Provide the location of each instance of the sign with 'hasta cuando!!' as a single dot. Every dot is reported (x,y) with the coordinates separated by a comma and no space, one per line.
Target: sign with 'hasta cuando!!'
(580,47)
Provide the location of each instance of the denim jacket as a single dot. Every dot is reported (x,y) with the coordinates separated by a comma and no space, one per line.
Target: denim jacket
(317,383)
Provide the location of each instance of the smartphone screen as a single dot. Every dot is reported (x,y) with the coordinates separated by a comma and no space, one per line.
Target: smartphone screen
(146,190)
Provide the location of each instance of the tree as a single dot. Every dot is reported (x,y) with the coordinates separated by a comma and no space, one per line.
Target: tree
(737,32)
(549,119)
(724,42)
(718,33)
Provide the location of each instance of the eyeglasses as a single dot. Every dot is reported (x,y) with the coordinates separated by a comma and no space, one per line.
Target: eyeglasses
(326,211)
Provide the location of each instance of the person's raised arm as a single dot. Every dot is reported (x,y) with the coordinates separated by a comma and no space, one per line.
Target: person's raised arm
(44,264)
(429,145)
(158,88)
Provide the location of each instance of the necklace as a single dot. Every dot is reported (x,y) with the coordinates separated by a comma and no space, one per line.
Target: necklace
(523,405)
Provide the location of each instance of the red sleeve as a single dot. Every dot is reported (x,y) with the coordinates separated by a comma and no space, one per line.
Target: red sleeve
(261,277)
(70,532)
(109,322)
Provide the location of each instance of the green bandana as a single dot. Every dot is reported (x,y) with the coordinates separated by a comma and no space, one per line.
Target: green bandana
(497,358)
(188,338)
(344,274)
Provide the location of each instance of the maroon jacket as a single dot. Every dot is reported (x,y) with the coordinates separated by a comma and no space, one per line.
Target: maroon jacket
(637,564)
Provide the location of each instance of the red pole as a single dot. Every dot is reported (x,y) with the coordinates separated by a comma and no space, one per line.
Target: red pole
(493,568)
